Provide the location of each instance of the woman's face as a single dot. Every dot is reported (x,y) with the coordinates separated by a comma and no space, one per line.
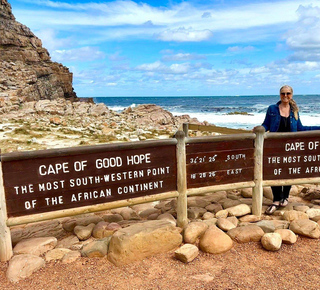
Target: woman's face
(285,95)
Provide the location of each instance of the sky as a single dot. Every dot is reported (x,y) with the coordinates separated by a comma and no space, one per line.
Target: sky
(180,48)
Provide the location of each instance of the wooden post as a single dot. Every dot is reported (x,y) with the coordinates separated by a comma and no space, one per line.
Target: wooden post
(185,129)
(5,235)
(182,216)
(257,194)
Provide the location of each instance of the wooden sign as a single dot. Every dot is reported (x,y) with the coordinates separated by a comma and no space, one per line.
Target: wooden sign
(221,162)
(50,180)
(291,158)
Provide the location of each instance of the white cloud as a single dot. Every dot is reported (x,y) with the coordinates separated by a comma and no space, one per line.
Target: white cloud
(183,57)
(240,49)
(183,34)
(82,54)
(51,41)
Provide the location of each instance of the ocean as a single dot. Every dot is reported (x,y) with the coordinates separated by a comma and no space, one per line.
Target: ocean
(239,112)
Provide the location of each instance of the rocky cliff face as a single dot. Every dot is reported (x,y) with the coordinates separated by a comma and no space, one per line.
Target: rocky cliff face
(26,70)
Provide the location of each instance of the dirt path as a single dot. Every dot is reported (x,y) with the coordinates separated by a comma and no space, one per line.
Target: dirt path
(245,266)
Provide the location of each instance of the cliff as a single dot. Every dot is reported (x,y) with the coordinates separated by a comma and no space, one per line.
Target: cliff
(26,70)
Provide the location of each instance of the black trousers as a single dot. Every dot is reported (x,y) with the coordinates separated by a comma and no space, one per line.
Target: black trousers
(280,192)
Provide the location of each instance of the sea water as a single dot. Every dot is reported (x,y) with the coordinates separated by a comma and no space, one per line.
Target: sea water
(239,112)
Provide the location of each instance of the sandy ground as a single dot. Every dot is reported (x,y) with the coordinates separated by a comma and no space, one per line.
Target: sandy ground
(245,266)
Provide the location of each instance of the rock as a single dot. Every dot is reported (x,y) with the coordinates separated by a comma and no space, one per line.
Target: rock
(234,220)
(267,193)
(84,232)
(215,241)
(216,196)
(70,257)
(112,218)
(187,253)
(271,241)
(214,207)
(280,224)
(22,266)
(193,231)
(239,210)
(196,212)
(95,249)
(225,225)
(129,214)
(313,212)
(246,234)
(37,230)
(35,246)
(167,217)
(143,240)
(250,218)
(208,215)
(246,192)
(305,227)
(292,215)
(56,254)
(67,242)
(230,203)
(138,208)
(211,222)
(98,231)
(196,201)
(302,208)
(147,212)
(287,236)
(266,226)
(70,224)
(222,213)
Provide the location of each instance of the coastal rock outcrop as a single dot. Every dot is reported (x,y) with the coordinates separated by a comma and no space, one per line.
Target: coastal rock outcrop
(26,70)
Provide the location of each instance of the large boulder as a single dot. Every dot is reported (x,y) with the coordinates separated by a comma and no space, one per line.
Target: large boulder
(22,266)
(35,246)
(215,241)
(246,234)
(142,240)
(306,228)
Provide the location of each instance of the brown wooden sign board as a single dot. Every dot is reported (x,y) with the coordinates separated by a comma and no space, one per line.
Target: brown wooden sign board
(221,162)
(291,158)
(62,181)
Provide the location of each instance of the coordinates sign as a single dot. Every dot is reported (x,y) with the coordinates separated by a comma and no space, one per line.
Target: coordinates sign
(219,162)
(291,158)
(60,182)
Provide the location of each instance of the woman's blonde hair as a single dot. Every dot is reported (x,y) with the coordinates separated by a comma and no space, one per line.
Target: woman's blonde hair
(293,104)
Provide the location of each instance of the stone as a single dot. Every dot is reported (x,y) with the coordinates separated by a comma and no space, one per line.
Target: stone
(35,246)
(234,220)
(196,212)
(112,218)
(56,254)
(70,224)
(84,232)
(129,214)
(138,208)
(167,217)
(95,249)
(288,237)
(214,207)
(305,227)
(280,224)
(313,212)
(147,212)
(215,241)
(292,215)
(230,203)
(216,196)
(266,226)
(210,222)
(250,218)
(67,242)
(239,210)
(302,208)
(246,192)
(271,241)
(98,231)
(37,230)
(187,253)
(196,201)
(208,215)
(70,257)
(143,240)
(225,225)
(222,213)
(267,193)
(193,231)
(22,266)
(246,234)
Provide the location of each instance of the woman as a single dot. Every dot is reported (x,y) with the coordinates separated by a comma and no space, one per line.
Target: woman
(283,117)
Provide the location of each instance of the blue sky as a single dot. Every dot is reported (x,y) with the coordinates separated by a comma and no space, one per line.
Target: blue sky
(180,48)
